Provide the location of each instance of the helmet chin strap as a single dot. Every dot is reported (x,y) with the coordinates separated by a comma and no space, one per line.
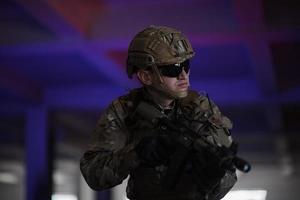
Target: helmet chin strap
(163,89)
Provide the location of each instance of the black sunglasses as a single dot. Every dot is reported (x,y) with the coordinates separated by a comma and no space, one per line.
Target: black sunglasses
(174,70)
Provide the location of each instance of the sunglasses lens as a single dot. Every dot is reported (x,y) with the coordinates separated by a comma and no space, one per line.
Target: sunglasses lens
(186,68)
(171,71)
(174,70)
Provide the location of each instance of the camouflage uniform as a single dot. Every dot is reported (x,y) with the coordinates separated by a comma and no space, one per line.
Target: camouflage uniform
(112,158)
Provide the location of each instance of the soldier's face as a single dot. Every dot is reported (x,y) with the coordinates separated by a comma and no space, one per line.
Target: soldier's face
(178,86)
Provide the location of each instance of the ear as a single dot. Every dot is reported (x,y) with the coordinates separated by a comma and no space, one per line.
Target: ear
(145,77)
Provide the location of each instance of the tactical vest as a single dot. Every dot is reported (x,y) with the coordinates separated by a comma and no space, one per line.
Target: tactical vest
(145,182)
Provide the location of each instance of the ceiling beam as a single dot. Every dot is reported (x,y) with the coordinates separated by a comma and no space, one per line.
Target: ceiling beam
(241,37)
(93,55)
(53,16)
(75,45)
(33,49)
(223,92)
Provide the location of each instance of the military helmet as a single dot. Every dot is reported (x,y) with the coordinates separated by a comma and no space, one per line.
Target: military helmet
(156,46)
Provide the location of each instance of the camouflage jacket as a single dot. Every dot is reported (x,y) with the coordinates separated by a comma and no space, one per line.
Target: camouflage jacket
(112,157)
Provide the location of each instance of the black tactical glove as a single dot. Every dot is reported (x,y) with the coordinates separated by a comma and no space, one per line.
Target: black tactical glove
(154,150)
(208,170)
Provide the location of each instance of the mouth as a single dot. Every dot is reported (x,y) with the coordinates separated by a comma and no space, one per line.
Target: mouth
(183,85)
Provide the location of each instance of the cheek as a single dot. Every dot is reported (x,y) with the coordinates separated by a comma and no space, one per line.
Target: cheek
(170,82)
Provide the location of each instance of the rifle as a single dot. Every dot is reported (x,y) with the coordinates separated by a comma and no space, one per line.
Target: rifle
(188,140)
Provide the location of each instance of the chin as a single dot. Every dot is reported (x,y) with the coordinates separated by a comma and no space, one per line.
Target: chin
(181,94)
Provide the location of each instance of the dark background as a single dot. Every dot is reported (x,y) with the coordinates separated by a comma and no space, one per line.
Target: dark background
(63,61)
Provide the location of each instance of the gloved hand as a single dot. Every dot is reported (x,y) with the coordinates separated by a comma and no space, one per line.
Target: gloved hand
(207,169)
(154,150)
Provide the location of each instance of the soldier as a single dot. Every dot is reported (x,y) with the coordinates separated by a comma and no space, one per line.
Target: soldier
(128,144)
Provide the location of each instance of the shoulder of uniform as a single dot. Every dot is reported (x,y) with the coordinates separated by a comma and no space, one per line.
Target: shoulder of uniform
(194,98)
(123,104)
(131,94)
(197,103)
